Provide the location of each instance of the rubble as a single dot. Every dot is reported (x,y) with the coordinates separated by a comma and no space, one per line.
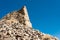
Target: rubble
(17,26)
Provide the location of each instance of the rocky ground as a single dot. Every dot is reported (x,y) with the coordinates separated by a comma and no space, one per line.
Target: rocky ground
(14,27)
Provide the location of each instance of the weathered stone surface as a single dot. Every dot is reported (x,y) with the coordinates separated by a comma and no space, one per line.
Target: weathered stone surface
(20,16)
(17,26)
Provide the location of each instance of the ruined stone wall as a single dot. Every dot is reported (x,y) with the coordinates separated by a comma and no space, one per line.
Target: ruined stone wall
(20,16)
(17,26)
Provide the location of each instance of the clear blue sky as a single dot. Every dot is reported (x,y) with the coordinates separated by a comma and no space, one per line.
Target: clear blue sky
(44,14)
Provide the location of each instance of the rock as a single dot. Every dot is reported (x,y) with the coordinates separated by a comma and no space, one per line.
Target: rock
(17,26)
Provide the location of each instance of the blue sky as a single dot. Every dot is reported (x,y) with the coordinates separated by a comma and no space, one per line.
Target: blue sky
(44,14)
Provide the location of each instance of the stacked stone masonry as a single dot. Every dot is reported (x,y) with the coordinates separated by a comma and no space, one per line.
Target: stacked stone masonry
(17,26)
